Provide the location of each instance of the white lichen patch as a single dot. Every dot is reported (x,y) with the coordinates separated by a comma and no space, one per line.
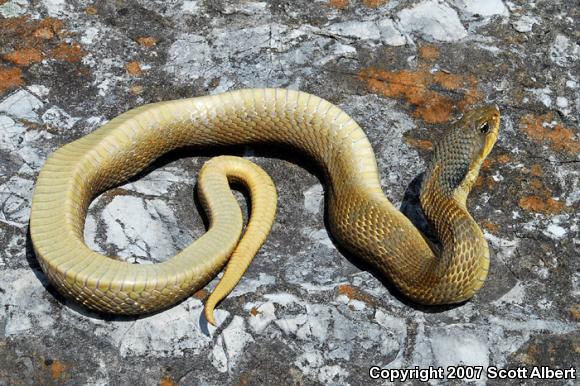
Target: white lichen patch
(451,345)
(564,51)
(352,303)
(311,363)
(555,227)
(364,30)
(187,56)
(21,105)
(204,47)
(14,8)
(294,51)
(533,325)
(505,248)
(104,69)
(169,333)
(397,329)
(370,31)
(56,8)
(555,231)
(478,8)
(58,118)
(390,33)
(325,323)
(161,182)
(318,236)
(11,134)
(261,315)
(321,325)
(24,303)
(89,36)
(525,23)
(248,285)
(313,197)
(191,6)
(15,201)
(459,345)
(29,145)
(230,345)
(432,20)
(569,178)
(140,228)
(515,296)
(282,298)
(246,8)
(15,249)
(542,95)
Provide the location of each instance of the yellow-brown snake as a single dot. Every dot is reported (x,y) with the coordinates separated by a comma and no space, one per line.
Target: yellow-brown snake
(361,218)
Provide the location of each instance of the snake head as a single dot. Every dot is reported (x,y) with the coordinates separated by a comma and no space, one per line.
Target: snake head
(459,154)
(482,128)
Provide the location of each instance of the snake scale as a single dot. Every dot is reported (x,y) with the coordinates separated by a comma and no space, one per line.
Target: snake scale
(360,217)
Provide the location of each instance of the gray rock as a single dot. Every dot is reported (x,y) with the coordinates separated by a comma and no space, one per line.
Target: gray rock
(305,312)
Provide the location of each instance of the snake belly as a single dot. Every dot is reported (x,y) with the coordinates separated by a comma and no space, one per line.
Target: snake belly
(361,218)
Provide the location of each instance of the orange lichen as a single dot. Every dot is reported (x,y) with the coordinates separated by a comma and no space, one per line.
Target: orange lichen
(134,68)
(72,53)
(488,225)
(53,24)
(254,311)
(354,293)
(532,203)
(43,33)
(201,294)
(24,56)
(28,32)
(536,184)
(147,41)
(558,137)
(541,204)
(136,89)
(57,369)
(421,144)
(91,11)
(428,52)
(490,161)
(537,170)
(30,37)
(415,88)
(575,311)
(338,4)
(374,3)
(503,158)
(539,198)
(32,40)
(10,78)
(448,81)
(484,182)
(167,380)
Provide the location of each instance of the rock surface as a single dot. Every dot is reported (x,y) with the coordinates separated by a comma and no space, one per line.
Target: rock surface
(304,313)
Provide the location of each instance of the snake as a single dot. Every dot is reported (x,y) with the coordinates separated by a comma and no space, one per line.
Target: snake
(360,216)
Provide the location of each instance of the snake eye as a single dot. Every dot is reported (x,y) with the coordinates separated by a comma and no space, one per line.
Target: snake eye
(484,129)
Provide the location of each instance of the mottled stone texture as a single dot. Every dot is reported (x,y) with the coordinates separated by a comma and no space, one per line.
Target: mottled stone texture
(304,313)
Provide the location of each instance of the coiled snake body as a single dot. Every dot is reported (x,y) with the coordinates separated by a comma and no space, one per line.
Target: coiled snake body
(361,218)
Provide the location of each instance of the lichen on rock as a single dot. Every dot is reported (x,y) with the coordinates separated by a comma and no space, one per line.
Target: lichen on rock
(306,312)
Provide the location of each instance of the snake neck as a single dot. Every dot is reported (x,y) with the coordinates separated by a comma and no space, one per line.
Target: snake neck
(465,252)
